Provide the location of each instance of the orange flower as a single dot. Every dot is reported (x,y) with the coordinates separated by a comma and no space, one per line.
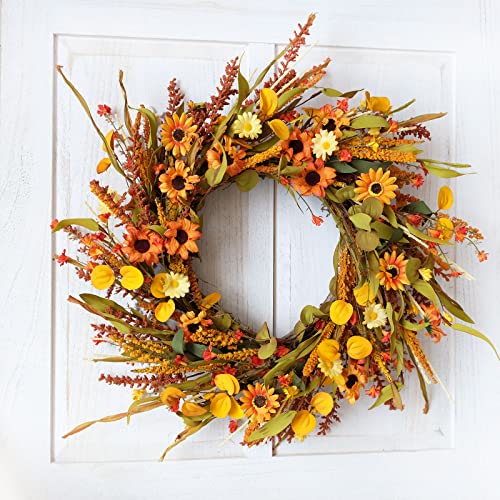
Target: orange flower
(297,147)
(177,133)
(176,182)
(355,380)
(392,273)
(313,180)
(234,157)
(259,403)
(432,316)
(376,184)
(191,323)
(482,255)
(181,236)
(142,245)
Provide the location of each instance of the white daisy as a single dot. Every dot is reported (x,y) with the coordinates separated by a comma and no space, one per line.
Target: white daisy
(375,316)
(324,144)
(333,370)
(176,285)
(248,125)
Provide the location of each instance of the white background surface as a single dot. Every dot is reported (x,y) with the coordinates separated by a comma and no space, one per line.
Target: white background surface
(265,257)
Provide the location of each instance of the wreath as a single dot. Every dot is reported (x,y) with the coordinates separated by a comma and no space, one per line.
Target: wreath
(181,350)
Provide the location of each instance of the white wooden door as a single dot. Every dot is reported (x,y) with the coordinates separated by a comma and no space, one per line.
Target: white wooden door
(443,53)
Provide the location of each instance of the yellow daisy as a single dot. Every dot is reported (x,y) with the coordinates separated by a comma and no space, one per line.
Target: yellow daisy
(376,184)
(247,125)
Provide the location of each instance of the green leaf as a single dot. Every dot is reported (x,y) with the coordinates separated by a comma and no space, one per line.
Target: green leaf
(101,303)
(391,216)
(222,322)
(386,394)
(367,240)
(369,121)
(453,307)
(309,313)
(400,356)
(417,207)
(267,350)
(243,88)
(443,173)
(263,334)
(372,207)
(384,231)
(178,342)
(345,193)
(291,171)
(157,229)
(408,148)
(361,221)
(449,164)
(364,166)
(421,119)
(472,331)
(390,315)
(89,224)
(341,167)
(289,94)
(247,180)
(427,291)
(153,124)
(414,327)
(404,106)
(337,93)
(126,114)
(412,267)
(273,427)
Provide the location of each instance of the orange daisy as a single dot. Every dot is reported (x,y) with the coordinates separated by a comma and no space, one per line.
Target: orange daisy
(142,245)
(297,147)
(176,182)
(432,316)
(180,237)
(259,403)
(355,380)
(376,184)
(392,272)
(177,133)
(234,157)
(314,178)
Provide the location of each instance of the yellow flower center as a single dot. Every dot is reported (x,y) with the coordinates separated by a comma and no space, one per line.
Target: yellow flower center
(247,127)
(174,284)
(373,315)
(326,145)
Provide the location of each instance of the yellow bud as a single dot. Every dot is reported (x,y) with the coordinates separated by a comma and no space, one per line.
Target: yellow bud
(109,140)
(220,405)
(132,278)
(192,409)
(445,198)
(210,300)
(358,347)
(322,403)
(227,382)
(103,165)
(446,227)
(280,129)
(380,104)
(268,101)
(328,350)
(425,273)
(303,424)
(364,294)
(341,312)
(164,311)
(236,411)
(102,277)
(157,286)
(171,395)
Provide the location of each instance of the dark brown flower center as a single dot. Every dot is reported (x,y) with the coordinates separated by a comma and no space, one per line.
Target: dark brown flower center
(393,271)
(259,401)
(330,125)
(178,183)
(312,178)
(178,134)
(181,237)
(193,327)
(142,246)
(351,381)
(376,188)
(297,146)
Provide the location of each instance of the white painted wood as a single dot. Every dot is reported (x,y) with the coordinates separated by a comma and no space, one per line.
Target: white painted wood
(441,52)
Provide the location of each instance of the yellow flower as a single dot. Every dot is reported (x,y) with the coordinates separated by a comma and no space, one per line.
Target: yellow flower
(425,273)
(210,300)
(220,405)
(174,285)
(364,294)
(322,403)
(109,141)
(191,409)
(377,104)
(341,312)
(227,382)
(102,277)
(247,125)
(103,165)
(132,278)
(328,350)
(171,395)
(291,391)
(376,184)
(236,411)
(280,129)
(164,311)
(137,394)
(324,144)
(358,347)
(303,424)
(332,370)
(445,198)
(446,227)
(268,101)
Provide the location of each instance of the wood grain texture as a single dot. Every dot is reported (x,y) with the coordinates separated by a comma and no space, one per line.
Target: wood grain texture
(442,52)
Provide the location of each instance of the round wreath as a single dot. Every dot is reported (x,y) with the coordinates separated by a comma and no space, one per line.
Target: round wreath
(182,350)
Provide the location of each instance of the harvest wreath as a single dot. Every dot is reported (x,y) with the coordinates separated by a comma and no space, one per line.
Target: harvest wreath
(186,354)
